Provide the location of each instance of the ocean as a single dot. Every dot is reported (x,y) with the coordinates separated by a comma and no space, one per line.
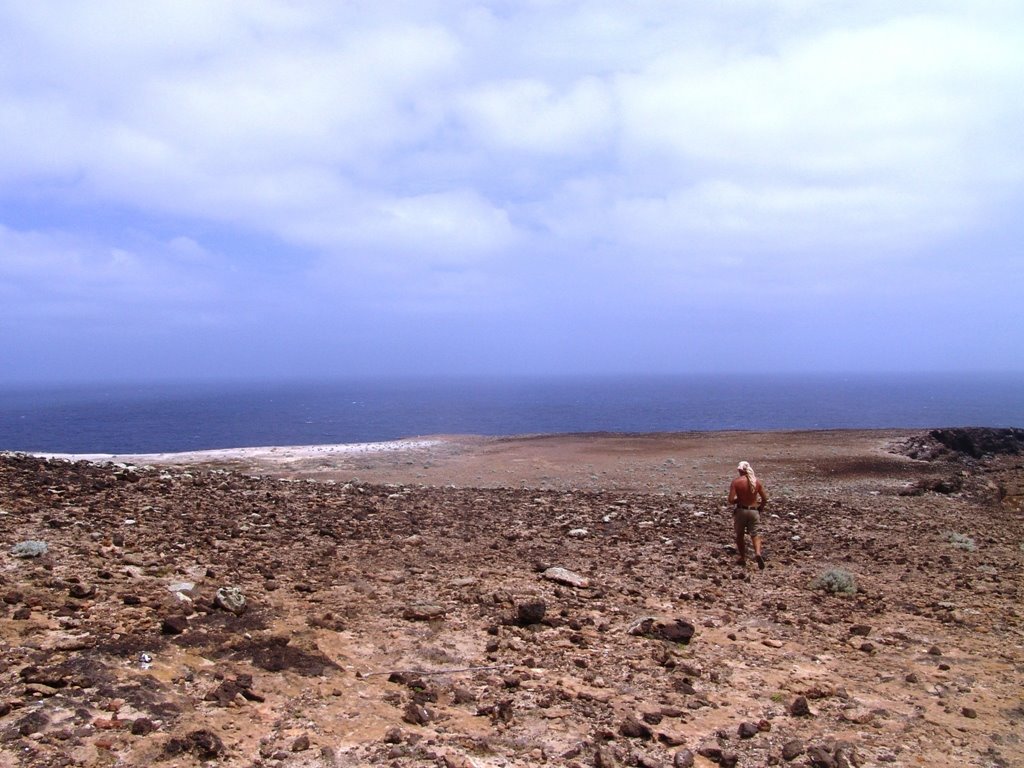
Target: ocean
(184,417)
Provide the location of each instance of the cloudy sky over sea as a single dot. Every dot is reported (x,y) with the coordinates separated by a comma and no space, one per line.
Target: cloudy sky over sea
(301,189)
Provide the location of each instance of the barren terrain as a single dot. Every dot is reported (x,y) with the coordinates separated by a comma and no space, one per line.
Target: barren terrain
(546,600)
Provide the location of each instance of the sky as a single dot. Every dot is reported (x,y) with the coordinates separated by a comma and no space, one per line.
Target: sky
(266,190)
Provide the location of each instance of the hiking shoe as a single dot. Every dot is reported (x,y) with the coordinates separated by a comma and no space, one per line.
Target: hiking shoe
(760,561)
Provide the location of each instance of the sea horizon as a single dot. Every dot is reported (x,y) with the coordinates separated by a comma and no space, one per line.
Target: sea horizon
(162,417)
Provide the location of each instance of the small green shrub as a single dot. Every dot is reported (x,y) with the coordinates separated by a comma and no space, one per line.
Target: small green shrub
(836,581)
(960,540)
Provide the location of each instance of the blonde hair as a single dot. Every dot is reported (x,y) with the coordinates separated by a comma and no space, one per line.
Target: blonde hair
(748,472)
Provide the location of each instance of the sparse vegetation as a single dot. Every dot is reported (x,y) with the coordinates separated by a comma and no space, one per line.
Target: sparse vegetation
(836,581)
(959,540)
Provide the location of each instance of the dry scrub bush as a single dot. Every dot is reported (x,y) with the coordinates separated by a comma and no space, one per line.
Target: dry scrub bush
(959,540)
(836,581)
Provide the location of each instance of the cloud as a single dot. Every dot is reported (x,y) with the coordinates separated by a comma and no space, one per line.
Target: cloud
(53,274)
(528,116)
(467,157)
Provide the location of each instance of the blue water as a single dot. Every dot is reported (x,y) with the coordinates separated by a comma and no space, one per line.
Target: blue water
(179,417)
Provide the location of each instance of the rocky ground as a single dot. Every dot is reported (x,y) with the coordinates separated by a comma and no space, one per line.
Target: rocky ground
(512,602)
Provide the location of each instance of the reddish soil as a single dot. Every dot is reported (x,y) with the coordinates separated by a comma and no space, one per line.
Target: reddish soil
(400,610)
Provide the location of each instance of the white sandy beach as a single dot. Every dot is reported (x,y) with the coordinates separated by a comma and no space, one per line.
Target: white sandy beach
(275,454)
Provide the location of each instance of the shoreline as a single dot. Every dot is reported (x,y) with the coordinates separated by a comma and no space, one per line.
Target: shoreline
(657,461)
(420,442)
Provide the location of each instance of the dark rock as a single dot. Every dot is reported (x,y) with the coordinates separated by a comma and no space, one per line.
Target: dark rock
(845,755)
(82,591)
(975,442)
(499,713)
(867,647)
(174,625)
(800,707)
(748,730)
(792,749)
(142,726)
(131,600)
(301,744)
(22,614)
(673,630)
(712,752)
(416,714)
(393,735)
(819,757)
(530,613)
(33,722)
(50,677)
(935,651)
(969,712)
(225,693)
(683,759)
(632,728)
(861,630)
(204,744)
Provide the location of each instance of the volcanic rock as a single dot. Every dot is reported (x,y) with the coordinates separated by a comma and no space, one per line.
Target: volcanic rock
(792,749)
(799,707)
(672,630)
(530,613)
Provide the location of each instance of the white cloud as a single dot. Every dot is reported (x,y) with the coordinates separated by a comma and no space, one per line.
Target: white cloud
(46,270)
(448,136)
(528,116)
